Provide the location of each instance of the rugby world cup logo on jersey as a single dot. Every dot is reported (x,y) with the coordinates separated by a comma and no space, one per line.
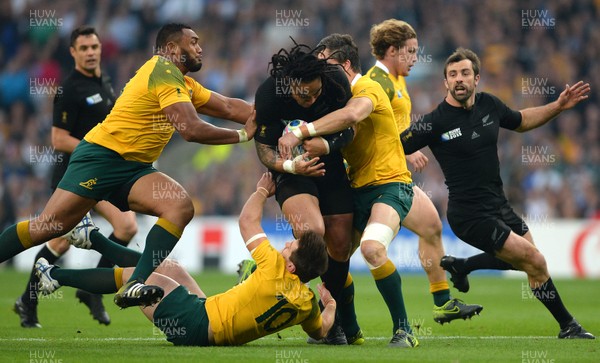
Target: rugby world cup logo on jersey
(452,134)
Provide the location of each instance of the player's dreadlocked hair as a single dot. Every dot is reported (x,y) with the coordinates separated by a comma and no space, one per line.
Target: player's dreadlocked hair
(302,63)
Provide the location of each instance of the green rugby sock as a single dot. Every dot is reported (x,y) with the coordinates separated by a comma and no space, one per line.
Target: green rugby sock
(94,280)
(116,253)
(389,284)
(160,241)
(10,240)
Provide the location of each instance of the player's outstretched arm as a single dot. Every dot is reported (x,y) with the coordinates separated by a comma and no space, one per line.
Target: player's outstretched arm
(251,214)
(234,109)
(537,116)
(184,118)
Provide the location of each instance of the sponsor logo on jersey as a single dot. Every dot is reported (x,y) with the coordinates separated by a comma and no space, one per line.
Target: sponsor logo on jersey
(93,99)
(262,133)
(89,184)
(485,121)
(474,135)
(452,134)
(399,94)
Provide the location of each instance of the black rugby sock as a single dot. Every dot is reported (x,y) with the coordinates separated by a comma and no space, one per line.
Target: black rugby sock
(482,261)
(335,277)
(548,295)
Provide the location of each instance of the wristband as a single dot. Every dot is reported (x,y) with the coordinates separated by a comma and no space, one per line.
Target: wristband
(311,129)
(289,166)
(298,133)
(326,145)
(258,190)
(243,135)
(255,237)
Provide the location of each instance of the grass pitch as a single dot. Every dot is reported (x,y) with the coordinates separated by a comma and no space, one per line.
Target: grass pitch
(513,327)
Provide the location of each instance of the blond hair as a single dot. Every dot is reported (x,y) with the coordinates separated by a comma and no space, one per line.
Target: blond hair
(391,32)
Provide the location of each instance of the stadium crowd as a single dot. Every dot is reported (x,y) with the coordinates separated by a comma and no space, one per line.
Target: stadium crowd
(529,50)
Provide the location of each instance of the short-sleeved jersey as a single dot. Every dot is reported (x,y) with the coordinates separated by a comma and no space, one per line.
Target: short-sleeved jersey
(395,88)
(270,300)
(137,128)
(464,142)
(375,156)
(83,103)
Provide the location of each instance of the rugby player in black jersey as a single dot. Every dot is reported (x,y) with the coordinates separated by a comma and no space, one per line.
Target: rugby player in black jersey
(462,133)
(313,194)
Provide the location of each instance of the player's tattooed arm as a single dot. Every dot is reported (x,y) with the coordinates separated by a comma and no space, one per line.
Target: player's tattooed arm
(268,156)
(300,165)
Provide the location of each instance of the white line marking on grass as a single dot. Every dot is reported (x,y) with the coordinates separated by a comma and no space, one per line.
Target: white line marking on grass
(111,339)
(493,337)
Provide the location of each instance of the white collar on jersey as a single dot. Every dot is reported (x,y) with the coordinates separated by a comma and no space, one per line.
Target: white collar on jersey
(355,79)
(382,66)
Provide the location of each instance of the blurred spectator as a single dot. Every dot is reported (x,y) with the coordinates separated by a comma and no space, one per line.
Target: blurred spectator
(528,56)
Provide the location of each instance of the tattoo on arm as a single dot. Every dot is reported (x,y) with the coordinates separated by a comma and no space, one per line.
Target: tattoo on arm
(266,154)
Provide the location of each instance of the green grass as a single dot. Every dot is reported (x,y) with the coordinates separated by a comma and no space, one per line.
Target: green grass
(513,327)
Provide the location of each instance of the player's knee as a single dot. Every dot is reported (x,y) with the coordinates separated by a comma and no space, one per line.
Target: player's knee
(432,231)
(126,229)
(59,245)
(373,252)
(318,228)
(340,251)
(538,261)
(181,212)
(169,267)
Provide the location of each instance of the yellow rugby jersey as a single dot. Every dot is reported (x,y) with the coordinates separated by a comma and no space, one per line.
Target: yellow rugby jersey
(375,156)
(270,300)
(395,88)
(137,128)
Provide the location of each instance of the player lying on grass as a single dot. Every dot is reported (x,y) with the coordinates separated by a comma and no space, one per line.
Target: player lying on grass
(275,297)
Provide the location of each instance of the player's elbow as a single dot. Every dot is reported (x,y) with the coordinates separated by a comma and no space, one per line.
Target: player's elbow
(353,116)
(186,132)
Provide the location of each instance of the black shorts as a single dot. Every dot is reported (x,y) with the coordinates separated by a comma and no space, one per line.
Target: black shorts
(486,230)
(333,190)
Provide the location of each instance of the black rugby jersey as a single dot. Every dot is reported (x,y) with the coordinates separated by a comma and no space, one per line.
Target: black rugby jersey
(275,108)
(464,142)
(83,103)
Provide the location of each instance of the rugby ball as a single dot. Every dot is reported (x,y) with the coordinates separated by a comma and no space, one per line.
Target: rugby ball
(291,126)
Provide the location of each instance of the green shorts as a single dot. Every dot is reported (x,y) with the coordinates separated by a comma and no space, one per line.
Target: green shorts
(99,173)
(182,317)
(397,195)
